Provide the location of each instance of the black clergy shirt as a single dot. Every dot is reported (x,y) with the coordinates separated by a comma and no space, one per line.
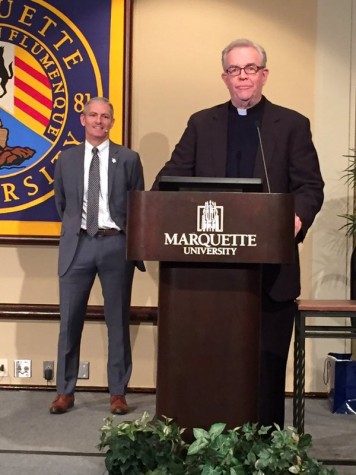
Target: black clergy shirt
(242,140)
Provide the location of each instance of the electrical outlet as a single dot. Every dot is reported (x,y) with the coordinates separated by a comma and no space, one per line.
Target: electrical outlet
(4,371)
(48,370)
(23,368)
(83,372)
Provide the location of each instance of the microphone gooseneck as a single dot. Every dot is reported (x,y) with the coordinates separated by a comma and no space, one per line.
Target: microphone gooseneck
(263,157)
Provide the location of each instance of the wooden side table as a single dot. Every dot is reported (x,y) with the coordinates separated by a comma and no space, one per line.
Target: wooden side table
(316,309)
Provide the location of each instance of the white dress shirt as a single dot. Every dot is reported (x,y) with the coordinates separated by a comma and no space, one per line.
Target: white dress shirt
(104,221)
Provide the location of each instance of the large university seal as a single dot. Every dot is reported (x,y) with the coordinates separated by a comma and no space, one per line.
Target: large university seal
(47,72)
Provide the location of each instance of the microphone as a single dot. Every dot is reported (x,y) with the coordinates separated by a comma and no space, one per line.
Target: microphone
(263,155)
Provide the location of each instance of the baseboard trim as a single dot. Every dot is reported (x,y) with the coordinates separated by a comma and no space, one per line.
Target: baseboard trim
(311,395)
(104,389)
(50,312)
(99,389)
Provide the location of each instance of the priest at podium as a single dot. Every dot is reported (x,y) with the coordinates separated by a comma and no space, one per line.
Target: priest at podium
(248,136)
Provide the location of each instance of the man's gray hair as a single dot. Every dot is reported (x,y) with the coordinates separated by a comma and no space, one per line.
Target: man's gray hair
(243,42)
(98,99)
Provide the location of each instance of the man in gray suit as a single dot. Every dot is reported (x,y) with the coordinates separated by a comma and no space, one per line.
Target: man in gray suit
(223,141)
(85,252)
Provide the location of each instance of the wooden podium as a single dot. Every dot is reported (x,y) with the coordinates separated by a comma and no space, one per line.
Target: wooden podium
(210,246)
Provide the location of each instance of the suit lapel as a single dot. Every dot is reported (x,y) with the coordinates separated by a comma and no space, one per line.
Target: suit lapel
(268,138)
(113,160)
(80,172)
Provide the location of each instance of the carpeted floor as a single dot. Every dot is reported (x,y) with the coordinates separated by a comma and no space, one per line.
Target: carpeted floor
(34,442)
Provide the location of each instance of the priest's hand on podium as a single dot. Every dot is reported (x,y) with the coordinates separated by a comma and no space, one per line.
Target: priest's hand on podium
(297,225)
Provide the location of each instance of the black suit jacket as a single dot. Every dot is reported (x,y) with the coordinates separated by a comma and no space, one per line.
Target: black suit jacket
(292,167)
(124,174)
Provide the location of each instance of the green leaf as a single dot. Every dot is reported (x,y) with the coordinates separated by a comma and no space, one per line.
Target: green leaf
(198,433)
(197,446)
(216,429)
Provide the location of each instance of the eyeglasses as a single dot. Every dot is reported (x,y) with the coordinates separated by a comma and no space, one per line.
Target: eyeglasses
(249,69)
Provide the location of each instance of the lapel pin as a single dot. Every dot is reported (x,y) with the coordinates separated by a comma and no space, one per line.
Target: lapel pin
(113,160)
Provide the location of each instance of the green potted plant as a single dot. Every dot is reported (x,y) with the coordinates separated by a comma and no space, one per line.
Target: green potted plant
(143,446)
(155,447)
(350,178)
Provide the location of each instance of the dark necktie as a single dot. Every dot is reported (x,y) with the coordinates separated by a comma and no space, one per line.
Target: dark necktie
(93,194)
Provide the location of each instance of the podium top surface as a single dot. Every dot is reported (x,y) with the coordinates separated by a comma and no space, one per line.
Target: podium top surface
(203,184)
(219,227)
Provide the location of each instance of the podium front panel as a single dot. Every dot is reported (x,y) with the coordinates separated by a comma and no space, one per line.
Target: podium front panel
(211,227)
(208,344)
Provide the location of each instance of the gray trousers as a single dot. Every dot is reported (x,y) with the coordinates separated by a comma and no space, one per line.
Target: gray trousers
(104,256)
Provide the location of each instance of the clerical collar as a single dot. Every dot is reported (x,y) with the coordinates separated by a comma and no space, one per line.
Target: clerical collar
(255,108)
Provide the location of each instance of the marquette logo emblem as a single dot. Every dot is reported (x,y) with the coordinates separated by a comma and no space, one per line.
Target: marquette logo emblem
(45,64)
(210,217)
(209,237)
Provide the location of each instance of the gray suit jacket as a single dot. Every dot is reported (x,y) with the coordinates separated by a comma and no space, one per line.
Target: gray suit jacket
(292,167)
(124,174)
